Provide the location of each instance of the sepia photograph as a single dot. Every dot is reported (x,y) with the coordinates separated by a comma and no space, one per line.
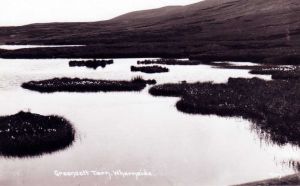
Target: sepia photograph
(149,92)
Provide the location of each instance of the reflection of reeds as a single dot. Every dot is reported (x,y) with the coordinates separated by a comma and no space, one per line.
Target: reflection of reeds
(294,164)
(273,106)
(26,134)
(91,63)
(149,69)
(86,85)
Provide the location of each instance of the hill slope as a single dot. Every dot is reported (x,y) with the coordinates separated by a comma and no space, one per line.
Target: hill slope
(224,28)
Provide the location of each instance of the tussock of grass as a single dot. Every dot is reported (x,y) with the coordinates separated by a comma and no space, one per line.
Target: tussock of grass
(91,63)
(86,85)
(26,134)
(139,79)
(149,69)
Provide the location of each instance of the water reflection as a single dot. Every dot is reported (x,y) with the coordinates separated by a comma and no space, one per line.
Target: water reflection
(135,131)
(294,164)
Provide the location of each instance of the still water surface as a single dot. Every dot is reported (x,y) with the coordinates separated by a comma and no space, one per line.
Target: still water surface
(133,131)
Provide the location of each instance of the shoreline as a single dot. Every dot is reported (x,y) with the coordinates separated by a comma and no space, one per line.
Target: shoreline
(272,56)
(286,180)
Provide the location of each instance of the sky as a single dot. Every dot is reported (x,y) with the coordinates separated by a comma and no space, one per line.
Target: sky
(21,12)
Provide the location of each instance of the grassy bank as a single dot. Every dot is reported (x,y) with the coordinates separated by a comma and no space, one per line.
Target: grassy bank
(287,180)
(86,85)
(91,63)
(149,69)
(27,134)
(272,105)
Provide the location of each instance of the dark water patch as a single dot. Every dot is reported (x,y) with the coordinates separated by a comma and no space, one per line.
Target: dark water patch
(149,69)
(27,134)
(273,106)
(169,62)
(230,55)
(225,65)
(91,63)
(86,85)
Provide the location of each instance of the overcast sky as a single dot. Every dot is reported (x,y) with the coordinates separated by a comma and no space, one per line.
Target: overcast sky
(20,12)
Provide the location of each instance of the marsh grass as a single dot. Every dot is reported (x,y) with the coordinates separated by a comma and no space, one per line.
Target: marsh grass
(91,63)
(149,69)
(86,85)
(273,106)
(27,134)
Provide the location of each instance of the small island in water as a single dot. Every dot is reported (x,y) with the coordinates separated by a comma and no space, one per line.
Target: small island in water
(26,134)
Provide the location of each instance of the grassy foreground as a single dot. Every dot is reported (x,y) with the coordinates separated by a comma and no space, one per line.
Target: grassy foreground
(287,180)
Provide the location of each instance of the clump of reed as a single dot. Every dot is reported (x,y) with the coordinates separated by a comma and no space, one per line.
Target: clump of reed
(90,63)
(149,69)
(27,134)
(86,85)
